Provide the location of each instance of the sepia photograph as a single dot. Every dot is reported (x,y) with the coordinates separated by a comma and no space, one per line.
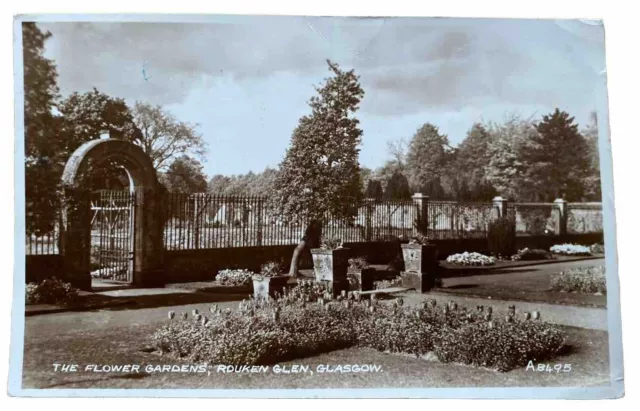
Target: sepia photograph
(291,206)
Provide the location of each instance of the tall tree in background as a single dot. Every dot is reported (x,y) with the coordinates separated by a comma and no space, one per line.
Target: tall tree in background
(41,127)
(250,184)
(163,137)
(592,183)
(398,187)
(427,157)
(472,156)
(185,176)
(374,189)
(505,169)
(557,159)
(320,171)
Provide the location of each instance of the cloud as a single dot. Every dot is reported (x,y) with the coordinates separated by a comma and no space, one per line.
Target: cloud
(406,65)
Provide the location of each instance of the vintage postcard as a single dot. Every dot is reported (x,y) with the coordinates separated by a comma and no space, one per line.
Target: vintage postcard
(290,206)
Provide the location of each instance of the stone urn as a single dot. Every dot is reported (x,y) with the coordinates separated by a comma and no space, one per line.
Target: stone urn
(331,266)
(268,286)
(421,266)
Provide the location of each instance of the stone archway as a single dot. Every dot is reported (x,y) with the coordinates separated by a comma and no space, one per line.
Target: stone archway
(75,236)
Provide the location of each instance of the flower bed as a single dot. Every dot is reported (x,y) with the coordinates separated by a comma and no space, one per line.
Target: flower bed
(589,280)
(570,249)
(306,322)
(51,291)
(234,277)
(471,259)
(528,254)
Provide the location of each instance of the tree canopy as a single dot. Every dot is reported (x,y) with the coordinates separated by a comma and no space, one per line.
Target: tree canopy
(320,171)
(427,157)
(163,137)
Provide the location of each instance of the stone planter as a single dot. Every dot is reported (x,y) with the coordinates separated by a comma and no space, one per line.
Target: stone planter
(265,287)
(332,266)
(364,279)
(421,266)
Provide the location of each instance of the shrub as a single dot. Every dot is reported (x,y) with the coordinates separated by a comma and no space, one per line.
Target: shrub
(500,345)
(470,259)
(597,248)
(304,321)
(570,249)
(527,254)
(51,291)
(358,263)
(381,285)
(271,269)
(330,243)
(502,237)
(234,277)
(582,280)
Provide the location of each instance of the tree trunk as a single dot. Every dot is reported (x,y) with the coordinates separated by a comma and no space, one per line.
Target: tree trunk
(311,239)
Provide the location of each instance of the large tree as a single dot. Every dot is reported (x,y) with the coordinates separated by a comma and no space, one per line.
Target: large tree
(320,172)
(470,180)
(505,168)
(557,159)
(427,157)
(185,176)
(41,128)
(163,137)
(592,184)
(85,116)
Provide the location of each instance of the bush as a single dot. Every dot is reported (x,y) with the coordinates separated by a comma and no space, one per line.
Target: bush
(271,269)
(305,321)
(358,263)
(499,345)
(527,254)
(51,291)
(570,249)
(597,249)
(502,237)
(582,280)
(382,284)
(471,259)
(234,277)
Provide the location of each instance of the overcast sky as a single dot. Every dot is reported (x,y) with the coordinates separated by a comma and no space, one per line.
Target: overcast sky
(246,80)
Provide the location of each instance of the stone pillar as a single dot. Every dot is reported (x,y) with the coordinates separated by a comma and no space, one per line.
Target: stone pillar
(149,244)
(421,202)
(561,204)
(75,237)
(500,204)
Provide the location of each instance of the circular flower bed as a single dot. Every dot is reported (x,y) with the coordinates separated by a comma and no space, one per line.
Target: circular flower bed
(471,259)
(570,249)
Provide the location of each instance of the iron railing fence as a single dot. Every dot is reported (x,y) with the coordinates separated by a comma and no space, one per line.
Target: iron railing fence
(584,218)
(206,221)
(203,221)
(535,218)
(456,220)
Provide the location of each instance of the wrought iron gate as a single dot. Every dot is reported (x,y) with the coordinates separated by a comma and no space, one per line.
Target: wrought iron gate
(113,235)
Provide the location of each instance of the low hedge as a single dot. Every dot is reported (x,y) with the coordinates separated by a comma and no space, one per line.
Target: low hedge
(306,322)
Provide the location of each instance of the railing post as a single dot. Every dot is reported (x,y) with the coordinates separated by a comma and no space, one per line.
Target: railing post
(500,204)
(368,217)
(561,203)
(421,202)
